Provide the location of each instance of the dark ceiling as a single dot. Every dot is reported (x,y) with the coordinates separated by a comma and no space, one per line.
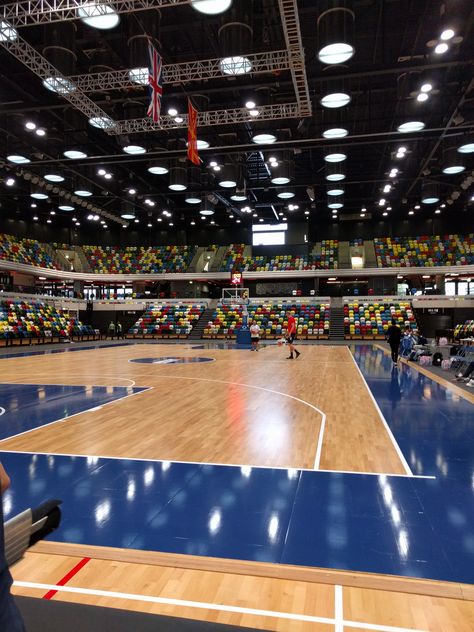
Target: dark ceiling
(394,55)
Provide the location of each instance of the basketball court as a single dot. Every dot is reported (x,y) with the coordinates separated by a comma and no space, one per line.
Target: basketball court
(326,493)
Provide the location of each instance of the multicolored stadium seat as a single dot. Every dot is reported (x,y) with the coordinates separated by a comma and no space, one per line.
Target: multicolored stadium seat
(27,251)
(371,320)
(168,320)
(358,241)
(233,258)
(138,259)
(465,330)
(424,251)
(312,319)
(35,320)
(279,262)
(328,259)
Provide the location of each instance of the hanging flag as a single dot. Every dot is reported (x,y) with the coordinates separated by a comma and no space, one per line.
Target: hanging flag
(155,81)
(192,134)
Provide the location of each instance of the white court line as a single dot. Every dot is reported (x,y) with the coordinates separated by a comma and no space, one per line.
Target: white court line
(79,377)
(2,411)
(256,467)
(384,421)
(209,606)
(338,609)
(87,410)
(268,390)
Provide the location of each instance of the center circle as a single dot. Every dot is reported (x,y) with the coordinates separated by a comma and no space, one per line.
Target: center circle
(172,360)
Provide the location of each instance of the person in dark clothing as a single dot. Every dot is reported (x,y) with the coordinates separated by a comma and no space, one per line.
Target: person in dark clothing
(394,334)
(10,618)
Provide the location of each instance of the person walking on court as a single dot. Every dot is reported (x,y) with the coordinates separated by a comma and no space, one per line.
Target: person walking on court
(394,333)
(10,618)
(254,335)
(291,336)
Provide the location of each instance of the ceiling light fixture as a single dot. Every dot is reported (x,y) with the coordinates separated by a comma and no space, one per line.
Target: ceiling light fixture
(98,15)
(263,139)
(157,169)
(30,125)
(423,96)
(178,179)
(39,196)
(18,159)
(66,207)
(134,149)
(59,85)
(426,87)
(467,146)
(102,122)
(336,34)
(411,126)
(335,100)
(441,48)
(452,161)
(335,157)
(7,32)
(10,182)
(74,154)
(54,177)
(429,193)
(335,132)
(447,34)
(211,7)
(139,75)
(192,199)
(236,65)
(286,195)
(83,192)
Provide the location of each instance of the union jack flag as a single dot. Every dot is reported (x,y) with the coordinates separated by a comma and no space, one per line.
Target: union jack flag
(155,81)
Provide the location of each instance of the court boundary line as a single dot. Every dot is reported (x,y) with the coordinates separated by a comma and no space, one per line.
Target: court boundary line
(212,606)
(87,410)
(338,609)
(398,450)
(211,463)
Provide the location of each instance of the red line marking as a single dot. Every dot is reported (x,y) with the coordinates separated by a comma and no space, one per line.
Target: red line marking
(62,582)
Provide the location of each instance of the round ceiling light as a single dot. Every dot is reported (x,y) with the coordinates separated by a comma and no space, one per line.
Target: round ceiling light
(238,197)
(66,207)
(335,100)
(98,15)
(192,199)
(335,132)
(177,187)
(17,159)
(74,154)
(101,122)
(54,177)
(60,85)
(335,205)
(134,149)
(39,196)
(335,177)
(202,144)
(263,139)
(227,184)
(83,193)
(206,211)
(158,170)
(466,148)
(335,190)
(211,7)
(127,216)
(336,53)
(286,195)
(7,32)
(280,180)
(411,126)
(139,75)
(335,157)
(236,65)
(453,169)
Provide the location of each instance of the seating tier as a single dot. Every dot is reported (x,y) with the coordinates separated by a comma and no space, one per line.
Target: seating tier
(168,320)
(371,320)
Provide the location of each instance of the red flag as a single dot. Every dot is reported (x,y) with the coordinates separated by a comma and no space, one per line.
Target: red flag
(192,134)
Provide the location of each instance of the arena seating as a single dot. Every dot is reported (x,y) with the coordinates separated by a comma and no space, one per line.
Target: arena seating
(27,251)
(279,262)
(233,258)
(136,259)
(371,320)
(312,319)
(38,322)
(464,330)
(424,251)
(167,320)
(358,241)
(328,259)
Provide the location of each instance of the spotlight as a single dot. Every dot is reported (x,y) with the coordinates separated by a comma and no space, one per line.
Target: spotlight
(441,48)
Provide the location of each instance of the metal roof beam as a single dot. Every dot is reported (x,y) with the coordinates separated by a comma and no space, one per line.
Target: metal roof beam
(187,72)
(35,12)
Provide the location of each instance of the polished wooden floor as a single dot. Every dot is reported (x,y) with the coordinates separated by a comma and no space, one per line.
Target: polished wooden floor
(248,409)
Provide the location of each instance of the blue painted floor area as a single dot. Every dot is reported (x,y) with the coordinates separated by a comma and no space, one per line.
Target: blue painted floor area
(28,406)
(380,524)
(433,426)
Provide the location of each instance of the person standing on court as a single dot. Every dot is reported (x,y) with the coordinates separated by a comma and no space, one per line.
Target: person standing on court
(254,335)
(291,336)
(394,334)
(111,329)
(10,618)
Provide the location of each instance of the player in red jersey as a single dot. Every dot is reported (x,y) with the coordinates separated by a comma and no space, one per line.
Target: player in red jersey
(291,336)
